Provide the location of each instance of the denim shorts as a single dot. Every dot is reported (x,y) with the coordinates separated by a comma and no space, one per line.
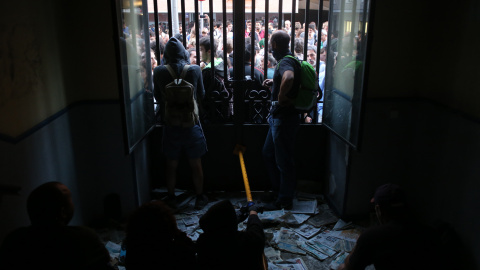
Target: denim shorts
(178,139)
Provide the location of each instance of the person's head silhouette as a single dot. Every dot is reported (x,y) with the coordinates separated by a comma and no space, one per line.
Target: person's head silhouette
(50,204)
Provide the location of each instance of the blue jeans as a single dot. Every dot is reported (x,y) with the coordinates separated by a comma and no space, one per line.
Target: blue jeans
(278,153)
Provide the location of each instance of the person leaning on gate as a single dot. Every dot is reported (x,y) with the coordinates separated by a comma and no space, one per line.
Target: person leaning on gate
(181,134)
(283,123)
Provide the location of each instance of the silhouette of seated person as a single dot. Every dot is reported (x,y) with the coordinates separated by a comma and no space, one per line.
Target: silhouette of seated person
(48,243)
(153,240)
(399,242)
(222,246)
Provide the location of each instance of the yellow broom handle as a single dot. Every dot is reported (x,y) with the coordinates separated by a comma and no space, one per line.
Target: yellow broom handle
(245,178)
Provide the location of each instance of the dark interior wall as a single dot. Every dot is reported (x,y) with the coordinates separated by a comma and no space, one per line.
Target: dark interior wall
(402,48)
(101,166)
(45,156)
(87,49)
(462,87)
(426,50)
(336,185)
(431,151)
(82,146)
(421,120)
(418,70)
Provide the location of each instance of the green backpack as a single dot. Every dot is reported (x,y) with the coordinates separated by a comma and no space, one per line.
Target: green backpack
(308,92)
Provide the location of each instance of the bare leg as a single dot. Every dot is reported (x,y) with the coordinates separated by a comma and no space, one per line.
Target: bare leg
(197,174)
(171,175)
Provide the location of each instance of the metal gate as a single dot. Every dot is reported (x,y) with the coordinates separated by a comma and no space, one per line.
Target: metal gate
(243,103)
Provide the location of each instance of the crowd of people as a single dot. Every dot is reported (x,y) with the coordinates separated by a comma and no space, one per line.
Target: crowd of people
(316,36)
(348,57)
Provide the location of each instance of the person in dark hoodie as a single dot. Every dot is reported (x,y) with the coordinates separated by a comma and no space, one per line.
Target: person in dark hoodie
(222,246)
(176,140)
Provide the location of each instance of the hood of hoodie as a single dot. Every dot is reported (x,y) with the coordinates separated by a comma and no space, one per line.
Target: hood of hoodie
(175,54)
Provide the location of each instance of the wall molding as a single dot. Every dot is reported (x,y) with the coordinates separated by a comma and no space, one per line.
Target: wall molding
(50,119)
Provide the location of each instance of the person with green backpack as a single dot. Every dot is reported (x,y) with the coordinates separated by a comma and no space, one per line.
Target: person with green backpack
(284,120)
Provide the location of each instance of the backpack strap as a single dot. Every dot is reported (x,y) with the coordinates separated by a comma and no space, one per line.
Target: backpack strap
(182,75)
(289,56)
(293,57)
(184,71)
(170,69)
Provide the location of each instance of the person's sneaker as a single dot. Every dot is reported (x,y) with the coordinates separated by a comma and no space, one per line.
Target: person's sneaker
(171,201)
(201,201)
(278,206)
